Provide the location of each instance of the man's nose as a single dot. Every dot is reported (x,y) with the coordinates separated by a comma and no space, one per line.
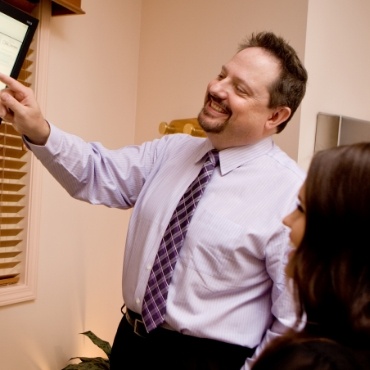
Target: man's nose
(219,89)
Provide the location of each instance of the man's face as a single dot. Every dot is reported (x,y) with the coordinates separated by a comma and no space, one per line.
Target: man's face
(235,110)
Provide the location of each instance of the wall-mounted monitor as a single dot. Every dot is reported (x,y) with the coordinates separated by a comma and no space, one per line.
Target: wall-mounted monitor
(17,29)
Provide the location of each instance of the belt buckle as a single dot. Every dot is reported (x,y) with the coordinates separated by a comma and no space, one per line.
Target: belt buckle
(138,324)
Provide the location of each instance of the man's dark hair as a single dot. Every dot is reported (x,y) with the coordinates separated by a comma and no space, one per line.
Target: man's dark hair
(289,89)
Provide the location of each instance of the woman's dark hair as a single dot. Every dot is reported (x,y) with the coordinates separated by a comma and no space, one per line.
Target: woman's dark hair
(290,88)
(331,266)
(292,353)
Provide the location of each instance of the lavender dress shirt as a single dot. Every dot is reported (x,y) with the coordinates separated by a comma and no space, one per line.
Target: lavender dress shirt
(229,282)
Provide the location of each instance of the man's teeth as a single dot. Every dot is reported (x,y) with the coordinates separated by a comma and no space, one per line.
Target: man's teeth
(217,107)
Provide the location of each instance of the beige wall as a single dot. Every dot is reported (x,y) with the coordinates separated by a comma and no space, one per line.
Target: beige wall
(185,43)
(338,59)
(100,84)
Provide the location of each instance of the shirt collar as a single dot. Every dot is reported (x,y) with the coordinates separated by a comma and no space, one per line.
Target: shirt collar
(235,157)
(232,158)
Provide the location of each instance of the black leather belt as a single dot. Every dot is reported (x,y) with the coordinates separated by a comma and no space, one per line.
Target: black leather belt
(135,320)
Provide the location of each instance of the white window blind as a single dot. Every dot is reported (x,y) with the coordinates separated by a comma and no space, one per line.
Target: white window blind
(19,172)
(13,185)
(14,188)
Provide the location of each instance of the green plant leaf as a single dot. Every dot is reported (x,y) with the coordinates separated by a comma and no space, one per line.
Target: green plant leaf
(91,359)
(92,363)
(102,344)
(87,363)
(89,366)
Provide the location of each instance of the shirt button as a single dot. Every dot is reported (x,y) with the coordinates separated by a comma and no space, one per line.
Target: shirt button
(148,267)
(137,300)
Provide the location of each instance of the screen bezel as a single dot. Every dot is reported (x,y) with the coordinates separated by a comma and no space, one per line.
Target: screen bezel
(26,19)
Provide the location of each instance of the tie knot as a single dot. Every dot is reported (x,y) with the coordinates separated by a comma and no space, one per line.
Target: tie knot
(213,156)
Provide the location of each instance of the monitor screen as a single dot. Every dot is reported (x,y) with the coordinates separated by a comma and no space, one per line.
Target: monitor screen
(17,29)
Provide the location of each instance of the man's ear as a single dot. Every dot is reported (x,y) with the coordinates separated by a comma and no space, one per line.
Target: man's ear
(278,115)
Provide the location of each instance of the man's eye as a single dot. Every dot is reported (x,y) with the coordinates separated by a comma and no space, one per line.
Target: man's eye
(240,89)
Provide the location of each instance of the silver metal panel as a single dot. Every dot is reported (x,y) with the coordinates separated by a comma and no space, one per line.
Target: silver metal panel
(333,130)
(327,131)
(354,130)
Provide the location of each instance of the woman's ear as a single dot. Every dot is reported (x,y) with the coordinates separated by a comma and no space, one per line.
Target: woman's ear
(278,115)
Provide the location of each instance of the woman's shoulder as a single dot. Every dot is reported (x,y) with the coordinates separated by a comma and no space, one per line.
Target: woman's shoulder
(313,354)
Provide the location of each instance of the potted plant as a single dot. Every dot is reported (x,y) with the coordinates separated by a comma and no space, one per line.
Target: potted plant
(92,363)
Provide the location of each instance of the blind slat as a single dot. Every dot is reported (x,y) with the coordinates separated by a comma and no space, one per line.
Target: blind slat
(10,152)
(7,186)
(10,232)
(11,175)
(7,265)
(9,279)
(9,243)
(9,254)
(10,220)
(8,129)
(11,197)
(8,140)
(10,209)
(11,164)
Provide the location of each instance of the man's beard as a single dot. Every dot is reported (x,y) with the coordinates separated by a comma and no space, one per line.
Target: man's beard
(211,127)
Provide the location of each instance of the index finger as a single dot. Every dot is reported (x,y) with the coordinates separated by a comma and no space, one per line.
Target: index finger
(12,83)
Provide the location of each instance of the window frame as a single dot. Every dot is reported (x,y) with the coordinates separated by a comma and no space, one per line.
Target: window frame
(26,288)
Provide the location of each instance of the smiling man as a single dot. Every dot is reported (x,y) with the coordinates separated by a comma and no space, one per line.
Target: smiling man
(203,271)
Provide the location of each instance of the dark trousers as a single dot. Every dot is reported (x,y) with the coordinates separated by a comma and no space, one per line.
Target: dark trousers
(166,349)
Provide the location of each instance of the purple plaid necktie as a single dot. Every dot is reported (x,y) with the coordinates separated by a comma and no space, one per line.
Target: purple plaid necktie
(154,303)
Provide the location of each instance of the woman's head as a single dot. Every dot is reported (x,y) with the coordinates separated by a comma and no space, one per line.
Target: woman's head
(331,267)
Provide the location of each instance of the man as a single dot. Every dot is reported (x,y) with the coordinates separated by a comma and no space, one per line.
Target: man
(225,296)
